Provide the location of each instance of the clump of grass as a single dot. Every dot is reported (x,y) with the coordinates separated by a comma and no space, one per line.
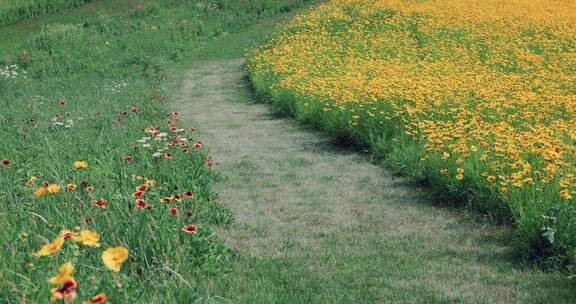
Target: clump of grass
(90,146)
(15,10)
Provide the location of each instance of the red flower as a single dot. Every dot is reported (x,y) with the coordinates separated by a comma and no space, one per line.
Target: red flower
(90,189)
(137,194)
(174,211)
(127,158)
(166,199)
(101,203)
(45,184)
(185,151)
(124,113)
(187,194)
(167,155)
(97,299)
(66,234)
(190,229)
(85,183)
(135,110)
(177,198)
(66,292)
(141,203)
(193,130)
(210,164)
(62,103)
(5,162)
(197,145)
(88,220)
(142,188)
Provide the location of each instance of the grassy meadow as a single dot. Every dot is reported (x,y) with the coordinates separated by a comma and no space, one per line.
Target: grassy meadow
(15,10)
(475,100)
(105,195)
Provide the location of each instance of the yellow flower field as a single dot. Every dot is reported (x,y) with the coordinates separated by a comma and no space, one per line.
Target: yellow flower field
(475,97)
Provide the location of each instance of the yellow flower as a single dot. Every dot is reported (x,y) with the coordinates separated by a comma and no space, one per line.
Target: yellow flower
(114,257)
(31,181)
(40,192)
(460,171)
(444,171)
(64,274)
(87,238)
(80,164)
(50,248)
(71,186)
(53,188)
(565,194)
(459,176)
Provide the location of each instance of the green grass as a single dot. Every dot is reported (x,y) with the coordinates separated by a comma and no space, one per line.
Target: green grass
(93,10)
(103,69)
(15,10)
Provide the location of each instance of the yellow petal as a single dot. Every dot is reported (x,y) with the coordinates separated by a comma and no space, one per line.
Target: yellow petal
(64,274)
(114,257)
(50,248)
(87,238)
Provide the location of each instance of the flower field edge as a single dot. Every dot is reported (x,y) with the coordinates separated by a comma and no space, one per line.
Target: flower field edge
(544,224)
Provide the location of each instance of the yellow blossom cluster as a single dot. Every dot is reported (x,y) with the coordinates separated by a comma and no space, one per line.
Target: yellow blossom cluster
(112,258)
(487,81)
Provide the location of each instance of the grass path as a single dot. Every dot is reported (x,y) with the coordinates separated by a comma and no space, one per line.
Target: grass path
(316,223)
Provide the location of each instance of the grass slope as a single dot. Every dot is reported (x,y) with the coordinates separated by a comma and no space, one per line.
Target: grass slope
(15,10)
(16,36)
(86,91)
